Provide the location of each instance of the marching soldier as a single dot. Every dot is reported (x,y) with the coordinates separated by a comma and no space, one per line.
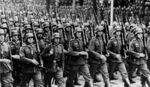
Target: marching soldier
(115,59)
(15,47)
(99,64)
(30,69)
(6,78)
(47,32)
(42,43)
(137,57)
(53,55)
(78,60)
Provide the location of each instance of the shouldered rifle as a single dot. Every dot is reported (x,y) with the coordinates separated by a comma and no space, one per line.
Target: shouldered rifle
(124,41)
(145,45)
(38,48)
(20,30)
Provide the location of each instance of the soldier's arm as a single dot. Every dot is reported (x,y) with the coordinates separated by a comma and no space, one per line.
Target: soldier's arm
(5,61)
(131,50)
(92,50)
(22,56)
(45,52)
(109,47)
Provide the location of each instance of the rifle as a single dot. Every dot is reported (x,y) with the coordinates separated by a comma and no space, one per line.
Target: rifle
(72,31)
(124,42)
(20,31)
(144,42)
(38,49)
(145,45)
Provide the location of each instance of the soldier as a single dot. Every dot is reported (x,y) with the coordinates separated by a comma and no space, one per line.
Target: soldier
(15,46)
(53,55)
(42,43)
(30,69)
(6,78)
(115,59)
(78,60)
(137,57)
(47,32)
(98,65)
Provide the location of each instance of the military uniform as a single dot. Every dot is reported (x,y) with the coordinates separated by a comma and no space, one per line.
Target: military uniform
(136,48)
(15,47)
(77,62)
(99,65)
(30,70)
(6,78)
(53,62)
(115,59)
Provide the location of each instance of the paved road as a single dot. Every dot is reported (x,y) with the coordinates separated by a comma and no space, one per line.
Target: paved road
(114,83)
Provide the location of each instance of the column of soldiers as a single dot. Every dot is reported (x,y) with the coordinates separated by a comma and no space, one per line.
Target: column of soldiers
(48,48)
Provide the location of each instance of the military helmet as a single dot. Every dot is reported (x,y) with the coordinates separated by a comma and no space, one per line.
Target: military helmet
(29,35)
(4,26)
(28,26)
(11,20)
(102,23)
(56,35)
(15,32)
(99,28)
(78,29)
(118,28)
(36,24)
(86,24)
(60,26)
(138,30)
(39,30)
(3,20)
(2,32)
(16,18)
(67,24)
(127,24)
(3,16)
(46,24)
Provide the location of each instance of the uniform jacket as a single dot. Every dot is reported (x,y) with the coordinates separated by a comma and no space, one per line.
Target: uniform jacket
(5,54)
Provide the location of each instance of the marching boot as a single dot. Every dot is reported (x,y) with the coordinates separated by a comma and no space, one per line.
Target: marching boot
(89,84)
(148,81)
(107,83)
(127,82)
(76,81)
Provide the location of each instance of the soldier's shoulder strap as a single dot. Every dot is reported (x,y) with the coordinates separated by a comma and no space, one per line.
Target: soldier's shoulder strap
(112,38)
(72,40)
(133,40)
(93,38)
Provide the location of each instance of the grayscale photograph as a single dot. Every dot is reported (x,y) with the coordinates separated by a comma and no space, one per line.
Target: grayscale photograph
(74,43)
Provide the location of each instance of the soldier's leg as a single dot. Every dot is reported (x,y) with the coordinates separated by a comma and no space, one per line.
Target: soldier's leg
(71,76)
(132,70)
(123,71)
(76,81)
(37,78)
(103,68)
(143,81)
(7,79)
(84,70)
(25,80)
(112,66)
(145,74)
(93,70)
(47,79)
(59,77)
